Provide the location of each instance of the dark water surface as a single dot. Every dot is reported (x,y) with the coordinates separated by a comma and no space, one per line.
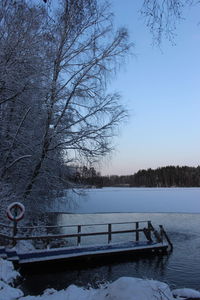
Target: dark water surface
(180,269)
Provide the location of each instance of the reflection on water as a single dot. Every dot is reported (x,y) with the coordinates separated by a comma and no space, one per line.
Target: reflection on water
(180,269)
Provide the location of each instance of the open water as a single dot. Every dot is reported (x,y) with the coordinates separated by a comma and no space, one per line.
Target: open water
(177,209)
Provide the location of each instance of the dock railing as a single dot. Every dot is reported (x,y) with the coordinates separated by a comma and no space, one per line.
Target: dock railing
(138,230)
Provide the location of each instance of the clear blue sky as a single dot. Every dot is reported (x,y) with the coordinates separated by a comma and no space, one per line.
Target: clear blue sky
(161,89)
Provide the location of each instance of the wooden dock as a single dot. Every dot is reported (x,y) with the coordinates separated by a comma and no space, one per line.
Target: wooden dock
(141,238)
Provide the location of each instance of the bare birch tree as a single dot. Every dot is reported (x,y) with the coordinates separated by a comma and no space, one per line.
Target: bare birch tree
(54,109)
(80,116)
(162,16)
(21,90)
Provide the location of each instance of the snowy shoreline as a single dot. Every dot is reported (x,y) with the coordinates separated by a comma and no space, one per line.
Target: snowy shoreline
(124,288)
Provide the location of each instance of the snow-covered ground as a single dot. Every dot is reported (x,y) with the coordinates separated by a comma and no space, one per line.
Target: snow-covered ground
(125,288)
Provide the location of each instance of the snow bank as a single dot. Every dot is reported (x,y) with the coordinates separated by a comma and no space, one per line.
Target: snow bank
(124,288)
(7,272)
(7,275)
(71,293)
(9,293)
(186,293)
(134,289)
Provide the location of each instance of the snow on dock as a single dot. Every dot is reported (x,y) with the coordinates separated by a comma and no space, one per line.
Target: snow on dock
(83,252)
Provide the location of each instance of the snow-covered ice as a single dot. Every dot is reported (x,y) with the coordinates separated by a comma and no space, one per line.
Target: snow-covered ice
(109,200)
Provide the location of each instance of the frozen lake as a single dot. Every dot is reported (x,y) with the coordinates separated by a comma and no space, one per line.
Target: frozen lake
(108,200)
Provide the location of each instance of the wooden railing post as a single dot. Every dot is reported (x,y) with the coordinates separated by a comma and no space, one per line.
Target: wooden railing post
(137,232)
(161,233)
(79,236)
(109,233)
(149,230)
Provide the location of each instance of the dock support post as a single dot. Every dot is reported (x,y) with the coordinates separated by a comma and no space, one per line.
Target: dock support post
(79,237)
(137,232)
(109,233)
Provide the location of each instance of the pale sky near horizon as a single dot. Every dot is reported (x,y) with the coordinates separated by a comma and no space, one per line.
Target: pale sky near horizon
(161,89)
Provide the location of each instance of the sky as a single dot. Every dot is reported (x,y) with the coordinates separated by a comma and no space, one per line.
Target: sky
(160,87)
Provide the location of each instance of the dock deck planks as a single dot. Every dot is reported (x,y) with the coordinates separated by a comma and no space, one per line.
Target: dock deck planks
(88,251)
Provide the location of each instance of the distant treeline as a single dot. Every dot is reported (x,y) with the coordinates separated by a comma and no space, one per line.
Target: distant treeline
(161,177)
